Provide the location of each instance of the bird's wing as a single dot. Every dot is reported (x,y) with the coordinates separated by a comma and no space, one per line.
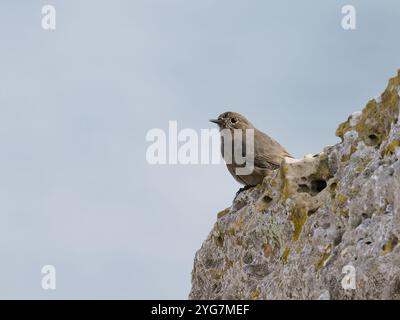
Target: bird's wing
(267,162)
(268,152)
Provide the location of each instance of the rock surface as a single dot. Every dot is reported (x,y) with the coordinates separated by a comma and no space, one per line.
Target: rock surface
(324,227)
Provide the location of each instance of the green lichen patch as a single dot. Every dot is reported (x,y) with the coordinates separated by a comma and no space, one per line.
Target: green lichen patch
(298,218)
(223,213)
(285,182)
(362,164)
(255,294)
(339,203)
(285,255)
(323,169)
(389,246)
(324,257)
(341,199)
(274,233)
(391,148)
(215,274)
(343,128)
(376,118)
(346,157)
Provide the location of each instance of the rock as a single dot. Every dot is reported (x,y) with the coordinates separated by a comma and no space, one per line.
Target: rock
(297,235)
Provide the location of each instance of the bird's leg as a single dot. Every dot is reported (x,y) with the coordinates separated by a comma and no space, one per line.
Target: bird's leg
(243,189)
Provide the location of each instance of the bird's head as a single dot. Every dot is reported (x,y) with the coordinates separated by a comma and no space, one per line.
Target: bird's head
(232,120)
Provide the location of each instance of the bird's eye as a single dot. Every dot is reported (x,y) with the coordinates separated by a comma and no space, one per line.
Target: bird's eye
(234,120)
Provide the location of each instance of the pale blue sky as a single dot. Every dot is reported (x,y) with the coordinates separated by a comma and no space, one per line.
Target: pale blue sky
(76,104)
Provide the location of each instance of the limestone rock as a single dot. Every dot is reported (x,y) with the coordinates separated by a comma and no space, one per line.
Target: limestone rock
(297,234)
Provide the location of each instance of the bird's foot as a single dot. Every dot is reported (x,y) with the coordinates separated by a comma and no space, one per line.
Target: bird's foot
(243,189)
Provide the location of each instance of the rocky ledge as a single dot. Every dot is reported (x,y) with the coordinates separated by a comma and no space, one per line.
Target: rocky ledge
(324,227)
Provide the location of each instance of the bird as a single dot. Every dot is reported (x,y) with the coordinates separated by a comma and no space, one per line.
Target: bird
(268,153)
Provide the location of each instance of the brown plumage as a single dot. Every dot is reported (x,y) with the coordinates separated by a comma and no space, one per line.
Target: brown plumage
(268,153)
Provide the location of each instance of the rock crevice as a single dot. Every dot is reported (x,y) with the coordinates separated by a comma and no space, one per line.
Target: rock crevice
(297,235)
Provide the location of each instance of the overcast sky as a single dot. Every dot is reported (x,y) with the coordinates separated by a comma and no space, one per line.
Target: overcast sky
(76,103)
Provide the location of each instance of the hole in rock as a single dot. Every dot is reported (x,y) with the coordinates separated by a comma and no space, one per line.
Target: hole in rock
(365,215)
(267,199)
(318,185)
(373,139)
(303,188)
(312,211)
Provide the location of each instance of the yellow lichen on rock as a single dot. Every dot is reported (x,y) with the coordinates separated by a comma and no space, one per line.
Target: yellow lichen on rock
(223,213)
(255,294)
(389,246)
(391,148)
(285,255)
(376,118)
(324,257)
(298,218)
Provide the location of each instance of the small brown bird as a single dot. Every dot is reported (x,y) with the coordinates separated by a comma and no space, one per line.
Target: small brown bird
(268,153)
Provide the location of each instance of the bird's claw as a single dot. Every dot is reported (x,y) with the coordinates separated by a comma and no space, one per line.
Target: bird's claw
(243,189)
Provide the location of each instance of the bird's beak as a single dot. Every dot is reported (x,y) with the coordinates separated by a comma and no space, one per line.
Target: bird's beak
(217,121)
